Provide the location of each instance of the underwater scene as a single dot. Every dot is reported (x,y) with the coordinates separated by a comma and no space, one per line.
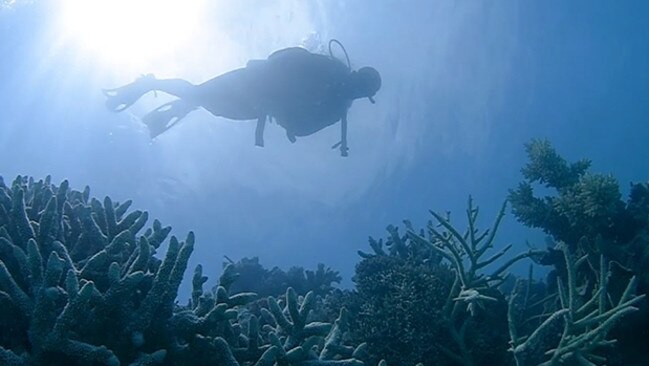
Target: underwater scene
(324,183)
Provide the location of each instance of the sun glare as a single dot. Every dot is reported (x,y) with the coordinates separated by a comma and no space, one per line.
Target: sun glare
(130,33)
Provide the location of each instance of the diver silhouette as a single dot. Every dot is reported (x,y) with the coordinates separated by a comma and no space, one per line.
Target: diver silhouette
(302,91)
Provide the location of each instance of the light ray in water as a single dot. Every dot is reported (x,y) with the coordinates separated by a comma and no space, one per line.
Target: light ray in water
(130,33)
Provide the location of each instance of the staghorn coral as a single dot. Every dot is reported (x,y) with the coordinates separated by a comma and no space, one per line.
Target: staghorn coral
(585,211)
(252,276)
(582,318)
(473,290)
(80,278)
(584,205)
(80,285)
(430,299)
(218,326)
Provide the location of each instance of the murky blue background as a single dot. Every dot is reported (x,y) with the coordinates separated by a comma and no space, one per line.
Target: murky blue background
(465,84)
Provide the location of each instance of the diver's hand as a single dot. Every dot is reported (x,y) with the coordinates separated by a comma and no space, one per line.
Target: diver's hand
(259,131)
(343,148)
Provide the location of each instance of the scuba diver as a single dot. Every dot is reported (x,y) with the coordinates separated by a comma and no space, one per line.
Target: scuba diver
(302,91)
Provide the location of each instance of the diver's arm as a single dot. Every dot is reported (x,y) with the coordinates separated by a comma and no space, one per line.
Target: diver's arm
(259,131)
(343,137)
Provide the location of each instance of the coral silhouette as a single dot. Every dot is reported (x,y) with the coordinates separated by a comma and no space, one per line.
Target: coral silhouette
(80,285)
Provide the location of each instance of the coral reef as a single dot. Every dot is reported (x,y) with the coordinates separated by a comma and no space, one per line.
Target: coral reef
(428,298)
(399,305)
(253,277)
(213,327)
(473,298)
(584,212)
(586,316)
(585,209)
(80,285)
(80,279)
(464,323)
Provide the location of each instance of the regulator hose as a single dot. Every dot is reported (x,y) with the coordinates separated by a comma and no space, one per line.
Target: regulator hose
(332,41)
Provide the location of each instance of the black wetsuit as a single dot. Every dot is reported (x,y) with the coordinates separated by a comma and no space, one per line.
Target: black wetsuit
(304,92)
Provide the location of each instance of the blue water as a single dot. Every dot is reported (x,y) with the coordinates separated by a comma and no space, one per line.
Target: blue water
(465,84)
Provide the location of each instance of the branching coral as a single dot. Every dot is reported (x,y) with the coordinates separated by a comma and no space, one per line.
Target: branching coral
(583,204)
(283,334)
(472,289)
(81,280)
(80,285)
(587,319)
(435,294)
(254,277)
(465,251)
(585,211)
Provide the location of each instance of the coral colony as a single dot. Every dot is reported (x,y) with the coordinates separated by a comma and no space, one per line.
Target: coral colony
(80,284)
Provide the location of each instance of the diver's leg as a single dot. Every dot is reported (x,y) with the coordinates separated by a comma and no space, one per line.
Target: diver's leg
(180,88)
(123,97)
(232,95)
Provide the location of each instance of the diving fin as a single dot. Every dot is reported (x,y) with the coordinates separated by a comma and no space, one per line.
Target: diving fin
(166,116)
(118,99)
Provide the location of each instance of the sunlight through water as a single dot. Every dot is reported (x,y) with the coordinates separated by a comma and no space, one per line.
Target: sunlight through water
(130,33)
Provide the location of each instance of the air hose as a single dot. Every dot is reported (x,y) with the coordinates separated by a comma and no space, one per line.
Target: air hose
(332,41)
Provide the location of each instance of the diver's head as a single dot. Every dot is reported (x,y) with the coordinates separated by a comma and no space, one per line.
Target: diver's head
(365,83)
